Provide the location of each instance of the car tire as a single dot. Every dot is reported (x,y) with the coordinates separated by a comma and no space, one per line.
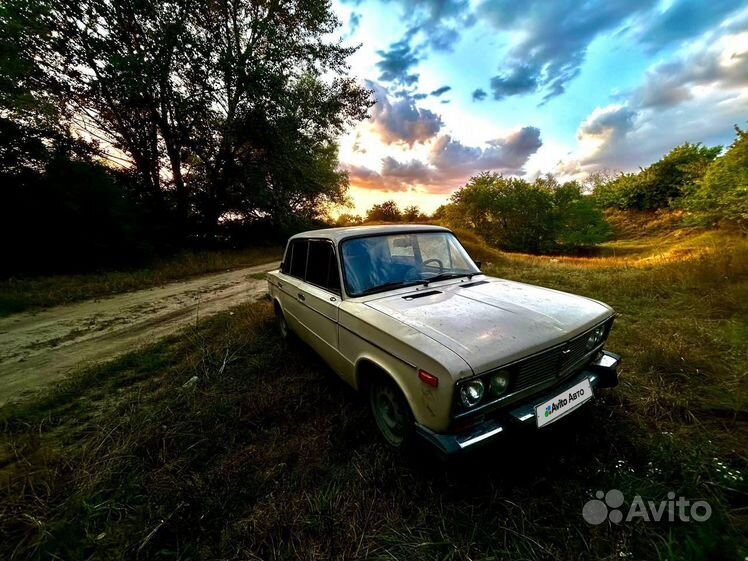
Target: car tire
(391,412)
(283,330)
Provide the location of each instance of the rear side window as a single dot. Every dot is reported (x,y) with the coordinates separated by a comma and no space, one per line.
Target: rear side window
(321,268)
(297,259)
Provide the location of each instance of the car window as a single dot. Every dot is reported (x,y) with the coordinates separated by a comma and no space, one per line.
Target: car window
(298,250)
(321,267)
(384,262)
(441,252)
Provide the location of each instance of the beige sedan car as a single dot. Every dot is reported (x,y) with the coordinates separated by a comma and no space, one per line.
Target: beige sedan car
(444,352)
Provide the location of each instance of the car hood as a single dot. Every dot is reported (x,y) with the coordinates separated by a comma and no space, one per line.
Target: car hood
(491,322)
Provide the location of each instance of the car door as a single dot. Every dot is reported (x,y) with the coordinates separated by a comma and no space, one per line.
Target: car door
(319,296)
(290,285)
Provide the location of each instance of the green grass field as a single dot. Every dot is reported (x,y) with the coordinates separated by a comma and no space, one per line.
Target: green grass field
(20,294)
(267,455)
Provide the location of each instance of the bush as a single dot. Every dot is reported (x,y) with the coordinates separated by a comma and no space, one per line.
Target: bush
(515,215)
(721,196)
(660,185)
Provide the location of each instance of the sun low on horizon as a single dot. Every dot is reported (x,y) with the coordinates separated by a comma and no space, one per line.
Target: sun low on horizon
(569,88)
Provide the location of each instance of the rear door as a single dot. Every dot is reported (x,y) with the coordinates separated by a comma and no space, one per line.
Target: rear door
(319,297)
(291,281)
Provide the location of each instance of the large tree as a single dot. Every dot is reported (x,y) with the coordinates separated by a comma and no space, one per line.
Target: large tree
(223,107)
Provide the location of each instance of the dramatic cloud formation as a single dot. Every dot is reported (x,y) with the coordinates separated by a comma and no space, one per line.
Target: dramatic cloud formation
(506,155)
(521,79)
(450,163)
(396,63)
(647,74)
(724,67)
(556,34)
(401,121)
(437,20)
(701,94)
(681,20)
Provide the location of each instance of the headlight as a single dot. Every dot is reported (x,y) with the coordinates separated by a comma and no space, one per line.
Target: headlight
(596,337)
(498,383)
(471,393)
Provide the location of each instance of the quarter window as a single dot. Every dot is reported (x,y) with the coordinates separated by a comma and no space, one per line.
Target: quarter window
(321,268)
(298,251)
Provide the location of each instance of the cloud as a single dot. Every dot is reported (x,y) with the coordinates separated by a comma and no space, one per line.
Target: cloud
(521,79)
(553,40)
(507,155)
(681,20)
(554,36)
(450,163)
(354,22)
(440,91)
(696,97)
(437,20)
(479,95)
(724,67)
(396,63)
(401,121)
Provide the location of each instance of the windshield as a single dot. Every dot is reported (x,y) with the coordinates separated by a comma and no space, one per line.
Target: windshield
(377,263)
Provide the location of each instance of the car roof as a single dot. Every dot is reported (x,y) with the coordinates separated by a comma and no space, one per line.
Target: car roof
(339,234)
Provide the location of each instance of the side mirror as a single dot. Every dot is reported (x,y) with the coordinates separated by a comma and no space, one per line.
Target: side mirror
(478,264)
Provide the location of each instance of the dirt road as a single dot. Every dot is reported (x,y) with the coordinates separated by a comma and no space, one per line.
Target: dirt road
(39,348)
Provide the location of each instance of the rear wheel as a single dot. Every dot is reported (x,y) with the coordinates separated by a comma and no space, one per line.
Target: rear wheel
(391,412)
(283,329)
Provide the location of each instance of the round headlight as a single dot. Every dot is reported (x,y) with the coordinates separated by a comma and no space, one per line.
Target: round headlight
(498,383)
(595,338)
(471,393)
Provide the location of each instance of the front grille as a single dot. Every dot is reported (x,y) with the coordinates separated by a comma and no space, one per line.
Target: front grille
(547,365)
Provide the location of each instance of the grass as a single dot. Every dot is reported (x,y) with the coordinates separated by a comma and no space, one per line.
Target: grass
(224,444)
(20,294)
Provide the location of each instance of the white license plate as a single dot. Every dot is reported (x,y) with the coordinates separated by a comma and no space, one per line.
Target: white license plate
(563,403)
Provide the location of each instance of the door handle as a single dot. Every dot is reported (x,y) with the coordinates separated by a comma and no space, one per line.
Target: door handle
(280,284)
(301,296)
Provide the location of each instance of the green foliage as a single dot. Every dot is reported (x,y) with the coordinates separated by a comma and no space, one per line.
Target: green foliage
(413,214)
(388,211)
(516,215)
(721,196)
(223,113)
(661,184)
(346,219)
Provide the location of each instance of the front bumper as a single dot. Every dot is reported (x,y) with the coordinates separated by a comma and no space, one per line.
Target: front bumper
(602,373)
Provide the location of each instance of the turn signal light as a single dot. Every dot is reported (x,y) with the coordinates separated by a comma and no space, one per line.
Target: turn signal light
(428,379)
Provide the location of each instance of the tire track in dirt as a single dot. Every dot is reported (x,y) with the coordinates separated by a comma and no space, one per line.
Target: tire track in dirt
(38,348)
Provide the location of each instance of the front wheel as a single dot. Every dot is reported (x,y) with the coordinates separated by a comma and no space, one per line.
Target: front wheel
(391,412)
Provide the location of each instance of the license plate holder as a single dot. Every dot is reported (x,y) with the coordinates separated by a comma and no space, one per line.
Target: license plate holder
(563,403)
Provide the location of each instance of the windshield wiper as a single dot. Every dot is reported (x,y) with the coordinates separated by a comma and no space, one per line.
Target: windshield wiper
(446,276)
(388,286)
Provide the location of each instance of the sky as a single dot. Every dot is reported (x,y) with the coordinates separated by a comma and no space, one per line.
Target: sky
(535,86)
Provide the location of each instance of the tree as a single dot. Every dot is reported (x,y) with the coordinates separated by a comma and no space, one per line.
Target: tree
(233,97)
(387,211)
(660,185)
(413,214)
(348,220)
(721,196)
(516,215)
